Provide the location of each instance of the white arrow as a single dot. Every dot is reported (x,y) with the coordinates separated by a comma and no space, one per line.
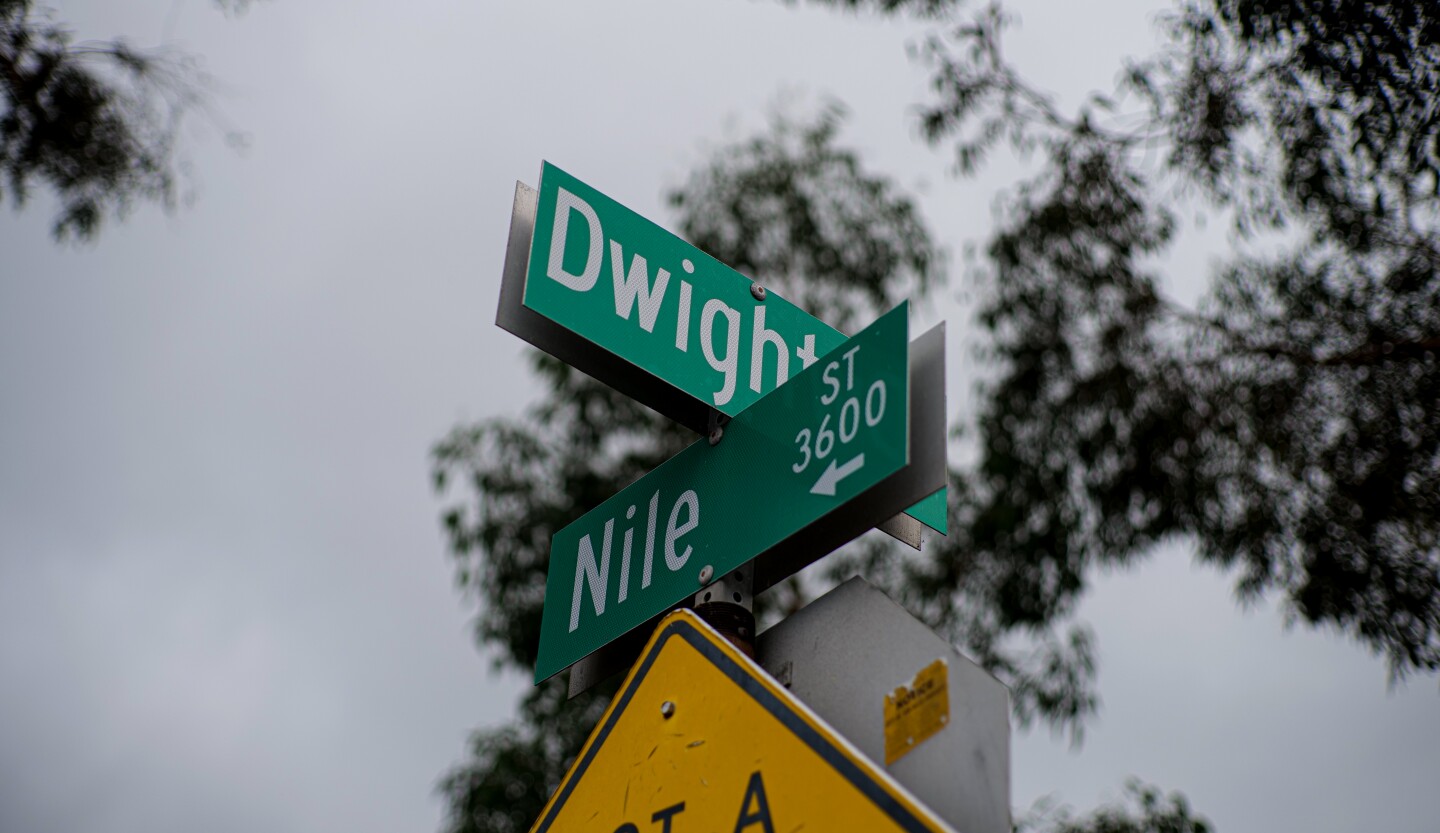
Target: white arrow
(833,474)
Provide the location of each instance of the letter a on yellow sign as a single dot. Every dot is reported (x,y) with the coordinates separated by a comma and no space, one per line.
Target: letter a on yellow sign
(701,738)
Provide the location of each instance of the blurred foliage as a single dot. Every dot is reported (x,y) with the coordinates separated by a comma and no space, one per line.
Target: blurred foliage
(513,770)
(1289,424)
(918,8)
(792,207)
(1286,425)
(524,481)
(1143,810)
(94,121)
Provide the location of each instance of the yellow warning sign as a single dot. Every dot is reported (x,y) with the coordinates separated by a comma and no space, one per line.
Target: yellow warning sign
(700,738)
(915,712)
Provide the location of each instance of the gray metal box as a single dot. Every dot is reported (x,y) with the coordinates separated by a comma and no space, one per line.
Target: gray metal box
(842,654)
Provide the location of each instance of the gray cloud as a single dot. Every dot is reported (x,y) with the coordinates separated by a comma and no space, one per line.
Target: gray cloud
(224,602)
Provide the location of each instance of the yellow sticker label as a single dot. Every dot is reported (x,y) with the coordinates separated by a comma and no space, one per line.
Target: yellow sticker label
(915,712)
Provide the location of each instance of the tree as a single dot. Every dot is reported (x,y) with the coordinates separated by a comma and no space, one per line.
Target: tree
(1152,812)
(96,122)
(1288,426)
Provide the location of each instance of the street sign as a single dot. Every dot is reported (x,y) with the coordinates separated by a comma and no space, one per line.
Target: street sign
(614,295)
(603,271)
(834,436)
(700,738)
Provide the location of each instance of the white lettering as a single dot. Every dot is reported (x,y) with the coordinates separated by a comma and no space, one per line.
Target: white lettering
(691,501)
(729,365)
(585,280)
(850,369)
(625,558)
(875,414)
(597,578)
(760,336)
(682,319)
(806,351)
(636,283)
(650,540)
(828,377)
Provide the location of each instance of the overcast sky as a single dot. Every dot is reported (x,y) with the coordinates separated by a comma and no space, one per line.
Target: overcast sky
(224,600)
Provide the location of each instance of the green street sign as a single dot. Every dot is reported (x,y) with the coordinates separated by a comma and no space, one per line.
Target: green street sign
(612,276)
(833,432)
(627,302)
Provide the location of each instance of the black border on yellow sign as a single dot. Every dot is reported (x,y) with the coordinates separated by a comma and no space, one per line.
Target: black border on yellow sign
(782,711)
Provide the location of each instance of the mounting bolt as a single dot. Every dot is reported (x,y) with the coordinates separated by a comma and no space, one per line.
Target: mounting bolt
(758,291)
(716,434)
(667,711)
(706,573)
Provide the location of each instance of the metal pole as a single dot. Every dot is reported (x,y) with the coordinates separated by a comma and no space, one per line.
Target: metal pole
(728,605)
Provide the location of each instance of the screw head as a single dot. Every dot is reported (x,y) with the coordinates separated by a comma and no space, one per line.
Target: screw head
(706,573)
(716,435)
(758,291)
(667,709)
